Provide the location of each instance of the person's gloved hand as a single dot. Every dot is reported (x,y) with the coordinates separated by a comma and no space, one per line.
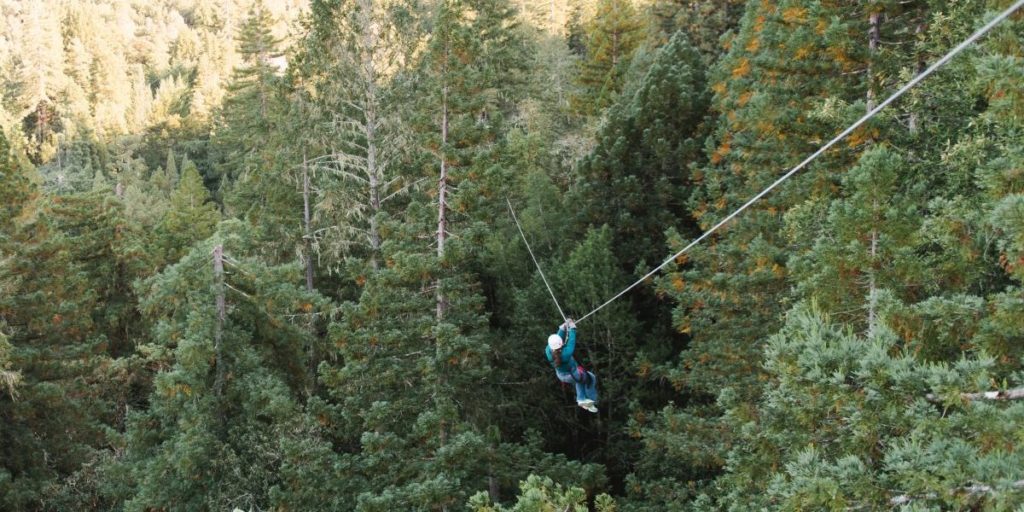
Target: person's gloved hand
(570,323)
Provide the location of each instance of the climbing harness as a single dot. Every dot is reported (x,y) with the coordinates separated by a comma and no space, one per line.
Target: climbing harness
(939,63)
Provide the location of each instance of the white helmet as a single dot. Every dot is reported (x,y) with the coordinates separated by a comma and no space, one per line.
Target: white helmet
(555,342)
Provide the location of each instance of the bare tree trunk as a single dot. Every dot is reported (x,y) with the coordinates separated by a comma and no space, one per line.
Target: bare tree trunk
(218,331)
(374,173)
(912,123)
(375,241)
(615,49)
(1008,394)
(312,359)
(442,218)
(442,231)
(307,228)
(874,37)
(442,199)
(872,285)
(492,488)
(607,403)
(970,490)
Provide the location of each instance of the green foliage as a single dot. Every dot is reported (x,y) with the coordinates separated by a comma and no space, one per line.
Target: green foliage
(637,179)
(867,239)
(538,494)
(77,167)
(852,341)
(112,69)
(611,37)
(68,309)
(422,389)
(705,22)
(246,120)
(224,417)
(9,378)
(872,232)
(190,217)
(731,291)
(845,423)
(353,80)
(737,284)
(607,344)
(16,189)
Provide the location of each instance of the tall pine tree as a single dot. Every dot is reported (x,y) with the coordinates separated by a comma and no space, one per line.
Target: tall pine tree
(221,424)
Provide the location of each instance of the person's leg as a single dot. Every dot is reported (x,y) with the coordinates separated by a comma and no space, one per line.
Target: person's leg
(581,384)
(590,390)
(581,392)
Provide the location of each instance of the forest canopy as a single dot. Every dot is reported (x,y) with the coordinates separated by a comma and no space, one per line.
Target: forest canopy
(257,255)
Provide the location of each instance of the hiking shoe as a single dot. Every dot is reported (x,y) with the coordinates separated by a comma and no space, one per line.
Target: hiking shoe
(590,407)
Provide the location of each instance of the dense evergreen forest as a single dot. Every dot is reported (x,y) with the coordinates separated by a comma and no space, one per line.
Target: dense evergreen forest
(256,255)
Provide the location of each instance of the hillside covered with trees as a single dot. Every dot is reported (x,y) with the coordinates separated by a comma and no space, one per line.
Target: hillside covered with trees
(258,255)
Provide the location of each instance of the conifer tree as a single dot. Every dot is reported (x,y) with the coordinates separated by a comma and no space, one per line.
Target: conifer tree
(608,345)
(16,188)
(249,102)
(15,197)
(422,389)
(1001,193)
(612,35)
(190,217)
(406,388)
(910,247)
(854,422)
(703,22)
(69,312)
(147,198)
(37,80)
(357,57)
(869,242)
(9,377)
(640,173)
(280,186)
(472,70)
(853,340)
(786,61)
(76,167)
(416,350)
(537,494)
(168,179)
(889,236)
(637,179)
(224,410)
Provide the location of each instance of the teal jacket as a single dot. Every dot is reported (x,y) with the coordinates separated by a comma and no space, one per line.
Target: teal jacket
(568,363)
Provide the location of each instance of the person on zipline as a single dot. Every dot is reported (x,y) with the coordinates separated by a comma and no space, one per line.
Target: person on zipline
(559,352)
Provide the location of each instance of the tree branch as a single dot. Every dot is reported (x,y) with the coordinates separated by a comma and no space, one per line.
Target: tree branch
(1008,394)
(970,490)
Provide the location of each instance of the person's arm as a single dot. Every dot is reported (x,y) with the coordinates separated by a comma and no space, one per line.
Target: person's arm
(570,344)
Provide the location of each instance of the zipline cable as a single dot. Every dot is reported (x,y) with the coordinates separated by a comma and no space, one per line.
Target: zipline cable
(513,212)
(939,63)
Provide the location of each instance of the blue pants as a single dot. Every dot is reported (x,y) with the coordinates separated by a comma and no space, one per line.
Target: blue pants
(586,383)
